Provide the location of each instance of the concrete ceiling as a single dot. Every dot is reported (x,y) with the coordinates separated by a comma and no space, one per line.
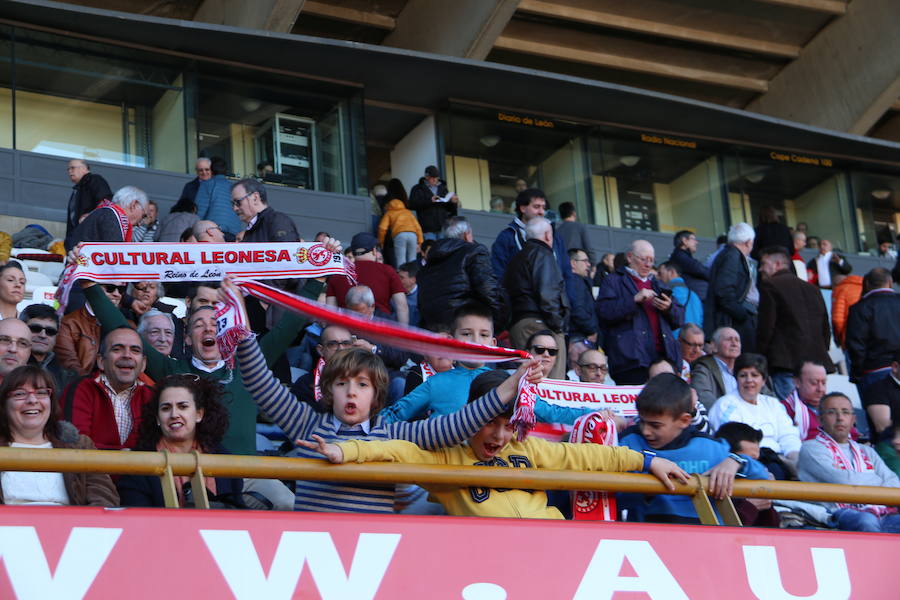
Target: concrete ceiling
(759,55)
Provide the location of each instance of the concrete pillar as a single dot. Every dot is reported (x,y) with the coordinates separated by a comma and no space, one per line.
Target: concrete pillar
(414,152)
(461,28)
(846,77)
(270,15)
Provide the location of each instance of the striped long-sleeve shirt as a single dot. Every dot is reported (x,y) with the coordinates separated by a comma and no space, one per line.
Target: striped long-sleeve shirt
(300,421)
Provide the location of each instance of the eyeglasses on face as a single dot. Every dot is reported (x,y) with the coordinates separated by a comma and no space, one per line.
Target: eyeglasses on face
(48,329)
(6,341)
(342,344)
(696,345)
(111,288)
(544,350)
(22,394)
(237,202)
(833,412)
(593,367)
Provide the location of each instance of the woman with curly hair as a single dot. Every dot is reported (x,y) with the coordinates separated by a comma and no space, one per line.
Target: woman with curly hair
(184,415)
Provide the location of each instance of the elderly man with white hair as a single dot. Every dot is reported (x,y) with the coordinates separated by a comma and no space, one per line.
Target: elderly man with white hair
(733,299)
(637,317)
(537,291)
(112,221)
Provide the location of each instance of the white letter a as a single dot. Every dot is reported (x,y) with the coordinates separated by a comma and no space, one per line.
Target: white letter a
(602,580)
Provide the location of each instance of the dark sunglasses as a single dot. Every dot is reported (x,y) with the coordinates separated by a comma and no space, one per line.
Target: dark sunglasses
(544,350)
(110,288)
(35,328)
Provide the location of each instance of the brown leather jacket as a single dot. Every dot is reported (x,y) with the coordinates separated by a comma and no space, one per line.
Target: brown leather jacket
(78,342)
(83,489)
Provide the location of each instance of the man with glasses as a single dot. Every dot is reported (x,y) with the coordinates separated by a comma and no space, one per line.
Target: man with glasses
(43,322)
(333,339)
(592,367)
(691,340)
(15,345)
(262,222)
(637,317)
(208,231)
(583,321)
(203,168)
(79,333)
(833,457)
(213,199)
(88,190)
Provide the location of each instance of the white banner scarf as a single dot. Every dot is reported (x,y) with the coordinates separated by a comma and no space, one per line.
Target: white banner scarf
(576,394)
(201,261)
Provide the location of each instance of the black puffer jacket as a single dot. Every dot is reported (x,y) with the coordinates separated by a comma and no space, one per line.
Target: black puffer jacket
(457,272)
(536,288)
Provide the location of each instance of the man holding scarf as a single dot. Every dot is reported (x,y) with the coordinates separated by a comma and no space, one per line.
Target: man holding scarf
(832,457)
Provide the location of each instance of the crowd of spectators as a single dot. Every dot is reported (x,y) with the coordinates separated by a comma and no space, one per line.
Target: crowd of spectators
(733,355)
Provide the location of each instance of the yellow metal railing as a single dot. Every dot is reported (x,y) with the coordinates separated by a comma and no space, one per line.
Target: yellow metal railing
(167,465)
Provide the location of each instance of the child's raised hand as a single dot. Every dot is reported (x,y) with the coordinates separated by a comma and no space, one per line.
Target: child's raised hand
(666,470)
(332,452)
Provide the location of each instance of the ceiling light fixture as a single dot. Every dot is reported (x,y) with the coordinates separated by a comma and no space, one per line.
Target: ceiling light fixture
(630,160)
(881,194)
(489,141)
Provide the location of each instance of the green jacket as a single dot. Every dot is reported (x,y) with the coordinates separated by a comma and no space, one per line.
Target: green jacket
(241,435)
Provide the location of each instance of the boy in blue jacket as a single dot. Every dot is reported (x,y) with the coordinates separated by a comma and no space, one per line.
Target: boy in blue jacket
(665,409)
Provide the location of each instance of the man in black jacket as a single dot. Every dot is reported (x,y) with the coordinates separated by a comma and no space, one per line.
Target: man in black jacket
(264,223)
(88,190)
(458,271)
(427,199)
(537,292)
(583,320)
(733,299)
(793,321)
(694,272)
(873,330)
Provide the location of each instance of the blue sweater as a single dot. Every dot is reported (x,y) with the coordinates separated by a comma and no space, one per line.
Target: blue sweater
(300,421)
(694,452)
(213,201)
(448,392)
(688,298)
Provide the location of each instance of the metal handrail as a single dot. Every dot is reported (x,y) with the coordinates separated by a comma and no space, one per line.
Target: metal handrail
(166,465)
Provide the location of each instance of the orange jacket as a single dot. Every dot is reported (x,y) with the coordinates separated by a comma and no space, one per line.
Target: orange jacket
(843,296)
(398,219)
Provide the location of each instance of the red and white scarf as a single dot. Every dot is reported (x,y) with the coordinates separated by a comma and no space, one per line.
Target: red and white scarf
(799,412)
(317,374)
(427,370)
(858,461)
(125,226)
(589,505)
(391,333)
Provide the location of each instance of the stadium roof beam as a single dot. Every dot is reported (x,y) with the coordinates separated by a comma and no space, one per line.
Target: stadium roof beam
(349,15)
(270,15)
(860,52)
(602,51)
(654,22)
(834,7)
(463,28)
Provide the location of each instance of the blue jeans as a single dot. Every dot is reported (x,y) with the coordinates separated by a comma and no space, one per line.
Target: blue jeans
(405,244)
(431,235)
(783,382)
(850,519)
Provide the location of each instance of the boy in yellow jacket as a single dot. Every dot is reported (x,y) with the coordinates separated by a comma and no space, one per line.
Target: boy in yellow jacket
(494,446)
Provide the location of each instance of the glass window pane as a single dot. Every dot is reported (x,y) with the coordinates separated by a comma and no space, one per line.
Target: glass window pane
(655,183)
(254,120)
(492,155)
(799,193)
(105,104)
(6,122)
(877,201)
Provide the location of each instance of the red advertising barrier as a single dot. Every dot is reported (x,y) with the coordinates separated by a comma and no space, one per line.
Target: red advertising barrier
(61,553)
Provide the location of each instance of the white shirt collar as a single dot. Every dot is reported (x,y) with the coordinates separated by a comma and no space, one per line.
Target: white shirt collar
(366,426)
(634,274)
(202,366)
(253,221)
